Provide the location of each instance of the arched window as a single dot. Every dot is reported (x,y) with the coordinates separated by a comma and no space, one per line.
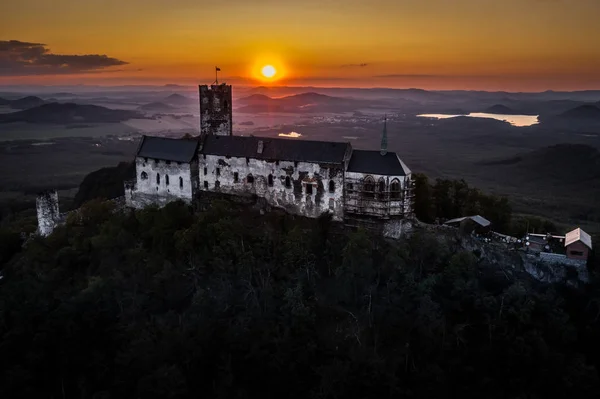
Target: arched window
(369,187)
(270,180)
(381,186)
(167,180)
(395,189)
(288,182)
(331,186)
(180,182)
(157,178)
(250,179)
(144,176)
(217,184)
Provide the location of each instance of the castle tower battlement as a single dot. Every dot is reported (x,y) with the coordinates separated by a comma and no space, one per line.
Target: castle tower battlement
(216,110)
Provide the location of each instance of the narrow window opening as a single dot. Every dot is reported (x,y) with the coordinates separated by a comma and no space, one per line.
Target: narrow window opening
(369,188)
(331,186)
(205,171)
(331,203)
(288,182)
(236,177)
(381,186)
(270,180)
(157,178)
(144,175)
(309,188)
(217,184)
(167,180)
(350,186)
(218,172)
(205,184)
(250,179)
(395,190)
(225,105)
(180,182)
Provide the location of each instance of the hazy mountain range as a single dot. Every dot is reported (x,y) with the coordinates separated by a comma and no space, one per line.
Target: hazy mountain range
(22,103)
(68,113)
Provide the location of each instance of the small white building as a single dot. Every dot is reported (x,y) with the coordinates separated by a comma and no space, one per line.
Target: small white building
(166,170)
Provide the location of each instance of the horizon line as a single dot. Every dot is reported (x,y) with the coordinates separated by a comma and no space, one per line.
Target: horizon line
(168,85)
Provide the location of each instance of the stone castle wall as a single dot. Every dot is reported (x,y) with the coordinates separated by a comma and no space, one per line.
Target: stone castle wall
(303,188)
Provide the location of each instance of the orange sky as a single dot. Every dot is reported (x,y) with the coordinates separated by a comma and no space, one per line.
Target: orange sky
(434,44)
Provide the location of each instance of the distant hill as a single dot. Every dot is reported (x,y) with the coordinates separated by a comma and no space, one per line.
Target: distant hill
(105,183)
(68,113)
(565,177)
(255,98)
(156,106)
(178,99)
(561,162)
(300,103)
(499,109)
(586,111)
(63,94)
(23,103)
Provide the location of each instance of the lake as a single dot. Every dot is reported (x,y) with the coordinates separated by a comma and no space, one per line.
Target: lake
(515,120)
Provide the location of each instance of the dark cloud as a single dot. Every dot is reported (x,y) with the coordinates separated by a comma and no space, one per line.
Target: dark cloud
(399,75)
(425,76)
(355,65)
(23,58)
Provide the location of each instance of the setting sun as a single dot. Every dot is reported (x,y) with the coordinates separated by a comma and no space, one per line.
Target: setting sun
(268,71)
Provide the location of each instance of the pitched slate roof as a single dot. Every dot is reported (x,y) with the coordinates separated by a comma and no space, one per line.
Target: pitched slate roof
(578,235)
(363,161)
(178,150)
(275,149)
(480,220)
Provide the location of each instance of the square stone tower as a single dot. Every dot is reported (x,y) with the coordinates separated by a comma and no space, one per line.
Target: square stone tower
(215,110)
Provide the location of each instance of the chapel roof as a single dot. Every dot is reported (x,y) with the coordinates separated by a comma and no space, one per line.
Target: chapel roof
(365,161)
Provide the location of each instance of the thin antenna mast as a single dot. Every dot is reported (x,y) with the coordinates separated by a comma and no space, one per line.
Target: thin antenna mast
(217,70)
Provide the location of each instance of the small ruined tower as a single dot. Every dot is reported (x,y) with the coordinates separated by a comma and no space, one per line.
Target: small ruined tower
(384,137)
(216,109)
(47,212)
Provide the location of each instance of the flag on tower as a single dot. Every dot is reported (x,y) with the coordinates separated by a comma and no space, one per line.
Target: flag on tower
(218,69)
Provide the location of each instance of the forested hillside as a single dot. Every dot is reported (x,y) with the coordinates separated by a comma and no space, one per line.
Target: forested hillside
(221,304)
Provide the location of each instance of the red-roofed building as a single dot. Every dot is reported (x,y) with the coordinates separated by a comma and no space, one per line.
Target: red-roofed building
(578,244)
